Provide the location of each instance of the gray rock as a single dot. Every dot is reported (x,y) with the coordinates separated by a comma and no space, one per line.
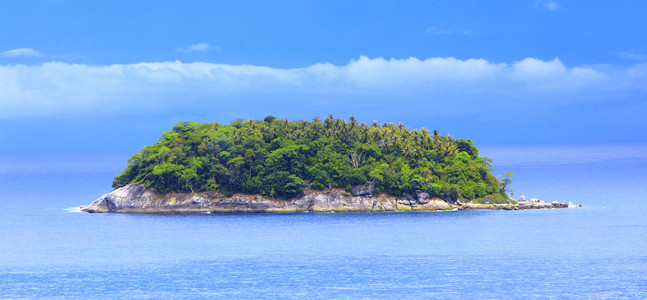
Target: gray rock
(261,205)
(198,200)
(522,198)
(423,198)
(409,200)
(556,204)
(451,200)
(235,203)
(362,190)
(123,197)
(134,198)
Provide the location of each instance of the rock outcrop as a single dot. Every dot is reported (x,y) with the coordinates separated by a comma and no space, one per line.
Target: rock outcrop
(423,198)
(362,190)
(518,206)
(134,198)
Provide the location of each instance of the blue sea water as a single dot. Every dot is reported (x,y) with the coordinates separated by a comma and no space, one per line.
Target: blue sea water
(598,251)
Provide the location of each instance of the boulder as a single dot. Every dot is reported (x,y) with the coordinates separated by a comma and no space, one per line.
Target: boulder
(423,198)
(199,200)
(123,197)
(556,204)
(451,200)
(362,190)
(408,200)
(522,198)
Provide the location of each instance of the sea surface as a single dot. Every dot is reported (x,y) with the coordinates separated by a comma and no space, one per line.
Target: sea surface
(599,251)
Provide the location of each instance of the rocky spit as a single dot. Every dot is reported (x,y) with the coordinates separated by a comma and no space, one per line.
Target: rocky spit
(135,198)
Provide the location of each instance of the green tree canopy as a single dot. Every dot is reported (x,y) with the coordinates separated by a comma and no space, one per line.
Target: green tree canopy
(277,157)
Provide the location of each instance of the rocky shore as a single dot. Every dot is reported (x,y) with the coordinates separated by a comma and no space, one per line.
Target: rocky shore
(134,198)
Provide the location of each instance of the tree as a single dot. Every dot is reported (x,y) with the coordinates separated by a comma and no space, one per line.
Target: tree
(354,159)
(281,157)
(505,182)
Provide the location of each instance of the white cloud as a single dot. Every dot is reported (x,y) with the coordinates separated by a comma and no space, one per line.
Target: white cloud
(633,55)
(547,4)
(412,71)
(56,88)
(20,52)
(199,47)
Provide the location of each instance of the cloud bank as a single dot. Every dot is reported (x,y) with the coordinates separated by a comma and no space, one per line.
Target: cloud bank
(57,88)
(20,52)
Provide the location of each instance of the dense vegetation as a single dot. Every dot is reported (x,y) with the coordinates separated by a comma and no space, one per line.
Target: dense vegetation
(280,158)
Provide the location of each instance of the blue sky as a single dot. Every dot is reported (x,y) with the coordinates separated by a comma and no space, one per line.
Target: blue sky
(111,75)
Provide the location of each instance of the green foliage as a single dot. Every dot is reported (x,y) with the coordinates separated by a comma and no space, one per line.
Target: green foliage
(506,182)
(494,199)
(280,158)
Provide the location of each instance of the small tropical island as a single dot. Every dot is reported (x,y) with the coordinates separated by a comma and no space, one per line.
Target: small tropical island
(334,165)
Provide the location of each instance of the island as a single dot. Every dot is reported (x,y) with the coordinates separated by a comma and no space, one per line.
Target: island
(334,165)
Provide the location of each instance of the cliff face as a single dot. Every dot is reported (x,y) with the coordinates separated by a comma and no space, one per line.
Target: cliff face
(134,198)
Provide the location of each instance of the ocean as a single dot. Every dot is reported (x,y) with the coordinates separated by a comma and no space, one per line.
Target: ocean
(50,250)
